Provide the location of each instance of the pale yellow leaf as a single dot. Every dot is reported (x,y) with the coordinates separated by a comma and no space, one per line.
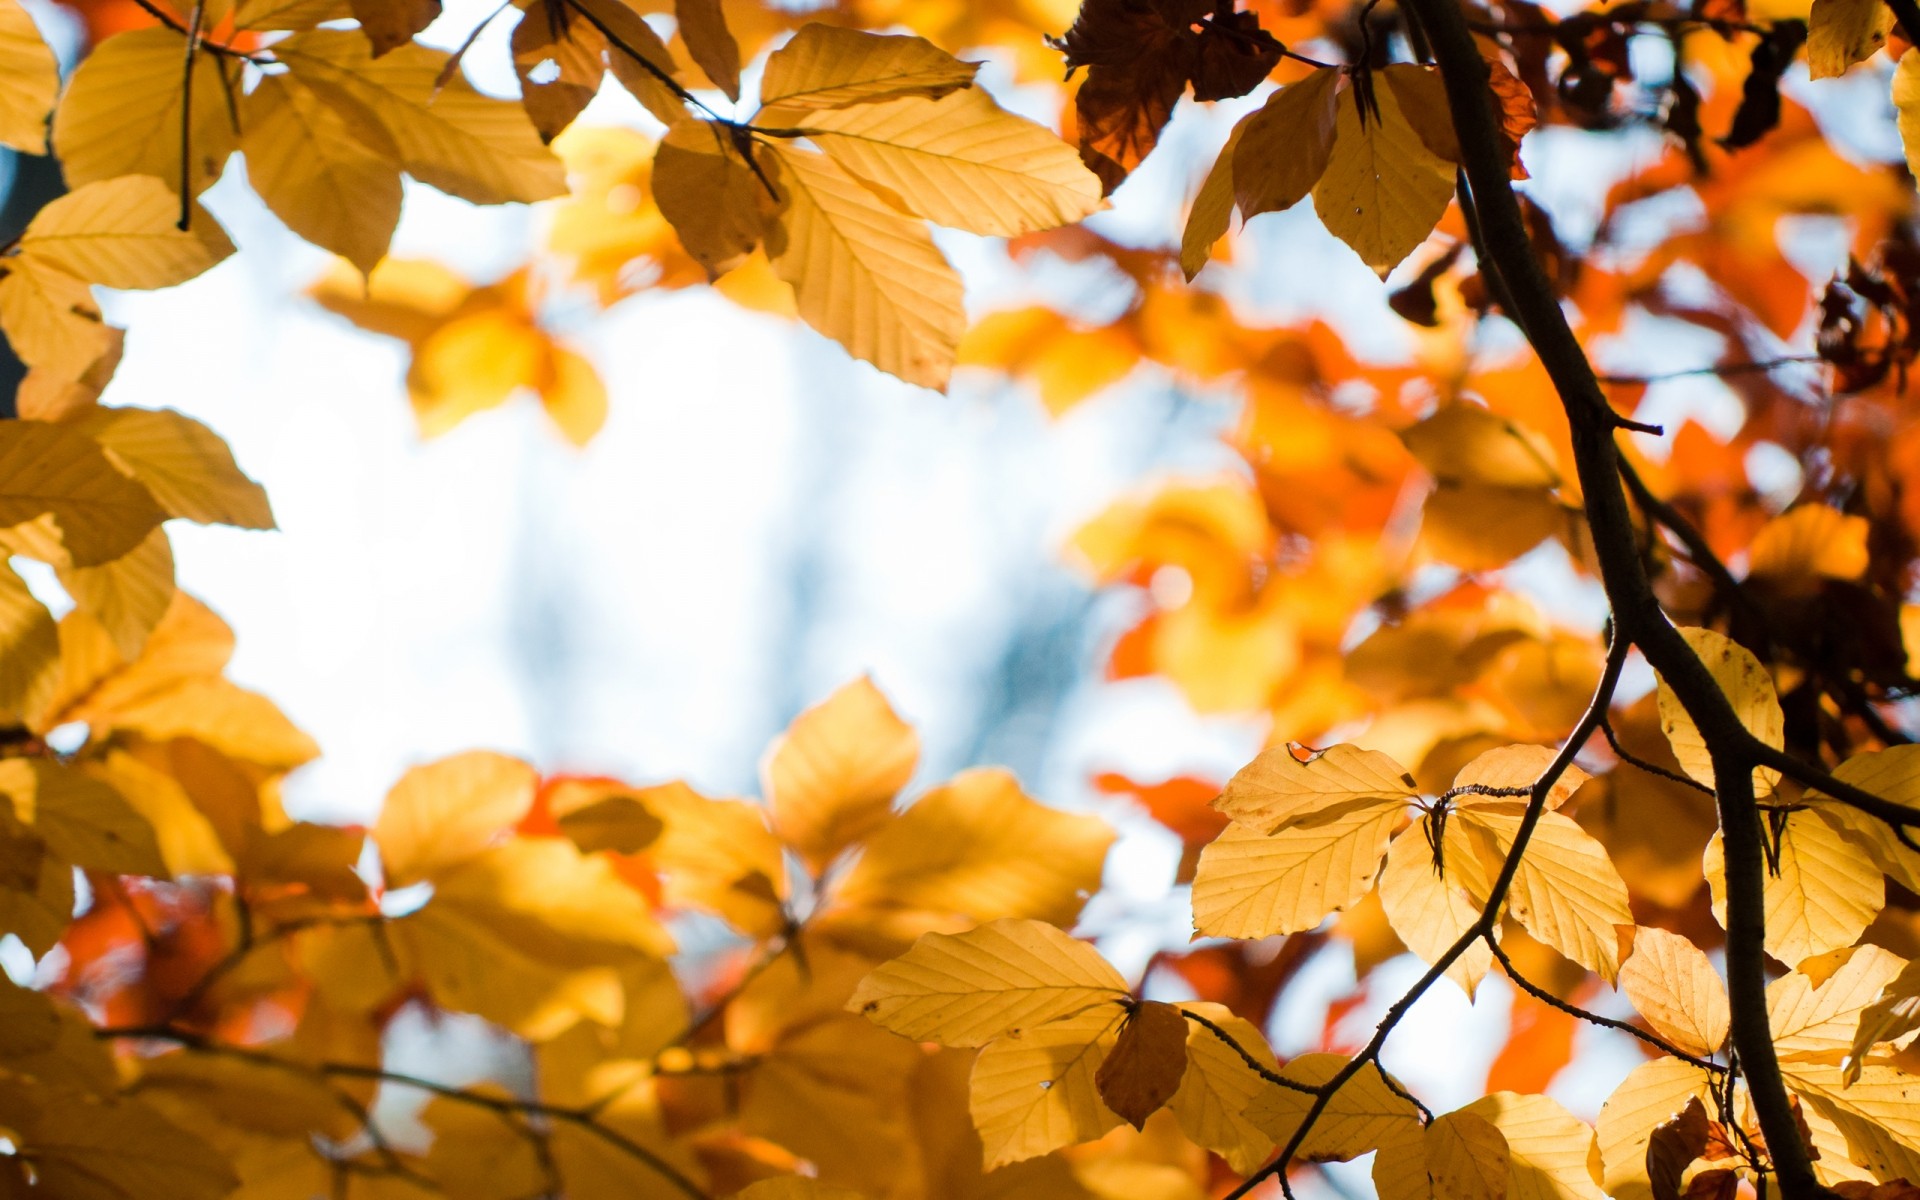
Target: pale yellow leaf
(1277,789)
(1878,1114)
(185,466)
(96,513)
(1286,145)
(446,812)
(29,81)
(1214,1094)
(1516,767)
(1827,891)
(1430,908)
(978,846)
(123,233)
(1033,1091)
(703,27)
(1566,891)
(573,395)
(1249,884)
(1465,443)
(127,595)
(81,818)
(1651,1094)
(1892,774)
(1890,1019)
(121,113)
(1673,985)
(959,161)
(1365,1114)
(231,719)
(967,989)
(1467,1157)
(1906,104)
(1748,688)
(1148,1060)
(1816,1022)
(863,273)
(1383,191)
(448,134)
(831,778)
(1841,33)
(825,66)
(1552,1152)
(29,648)
(1212,209)
(716,204)
(325,165)
(51,320)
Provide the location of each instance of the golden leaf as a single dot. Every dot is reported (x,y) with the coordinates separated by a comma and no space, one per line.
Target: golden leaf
(1816,1022)
(1250,884)
(1422,94)
(1669,980)
(231,719)
(288,14)
(1841,33)
(1893,774)
(1034,1089)
(1467,1157)
(36,890)
(1277,790)
(823,66)
(1365,1114)
(1878,1114)
(121,113)
(481,1153)
(560,58)
(186,467)
(96,513)
(967,989)
(718,855)
(51,320)
(390,24)
(1812,541)
(1552,1152)
(1508,767)
(1212,209)
(83,1146)
(448,135)
(325,165)
(1565,892)
(122,233)
(718,206)
(1147,1062)
(1464,443)
(831,778)
(80,818)
(1890,1019)
(959,161)
(1748,688)
(1218,1085)
(703,27)
(29,81)
(1431,906)
(29,648)
(1648,1096)
(446,812)
(1826,892)
(864,274)
(1383,191)
(1285,146)
(128,595)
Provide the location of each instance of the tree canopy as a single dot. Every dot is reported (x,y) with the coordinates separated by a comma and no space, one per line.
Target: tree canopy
(1684,822)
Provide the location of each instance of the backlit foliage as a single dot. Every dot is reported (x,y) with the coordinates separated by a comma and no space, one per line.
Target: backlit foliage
(835,990)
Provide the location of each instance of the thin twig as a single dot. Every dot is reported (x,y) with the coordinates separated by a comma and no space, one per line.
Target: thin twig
(1652,768)
(1253,1064)
(1593,1018)
(1721,370)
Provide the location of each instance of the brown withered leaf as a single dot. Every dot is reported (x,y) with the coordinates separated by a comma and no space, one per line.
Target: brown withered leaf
(1518,113)
(1139,56)
(1673,1146)
(1722,1184)
(703,27)
(1145,1067)
(391,24)
(558,56)
(1233,57)
(1759,109)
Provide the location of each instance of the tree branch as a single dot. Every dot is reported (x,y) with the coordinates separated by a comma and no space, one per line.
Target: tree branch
(1593,1018)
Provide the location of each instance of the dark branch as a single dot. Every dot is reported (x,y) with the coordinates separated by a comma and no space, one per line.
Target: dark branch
(1593,1018)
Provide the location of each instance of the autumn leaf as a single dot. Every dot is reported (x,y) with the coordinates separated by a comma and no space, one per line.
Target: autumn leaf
(1841,33)
(390,24)
(1250,884)
(121,114)
(1364,1114)
(1467,1157)
(1431,903)
(825,66)
(1212,208)
(442,814)
(718,205)
(1673,986)
(94,514)
(703,27)
(1278,789)
(1824,892)
(560,58)
(1383,190)
(1034,1090)
(324,163)
(1139,58)
(1213,1095)
(1285,146)
(1148,1060)
(31,81)
(127,596)
(1650,1094)
(1748,688)
(1551,1152)
(185,466)
(831,778)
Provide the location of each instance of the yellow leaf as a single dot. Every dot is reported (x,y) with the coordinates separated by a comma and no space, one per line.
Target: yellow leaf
(129,595)
(1826,892)
(390,24)
(81,819)
(1813,541)
(1553,1156)
(824,66)
(29,648)
(1651,1094)
(1431,907)
(231,719)
(258,1096)
(449,135)
(1878,1114)
(573,395)
(560,59)
(1816,1022)
(51,320)
(718,855)
(598,817)
(189,644)
(288,14)
(1034,1091)
(1893,774)
(863,273)
(831,778)
(325,165)
(481,1153)
(1422,94)
(1212,209)
(631,42)
(1218,1086)
(123,233)
(1508,768)
(1669,980)
(1748,688)
(185,466)
(959,161)
(29,81)
(1467,1157)
(1147,1062)
(1249,884)
(978,846)
(53,395)
(1277,790)
(794,1187)
(97,514)
(1464,443)
(703,27)
(1365,1114)
(1891,1018)
(187,841)
(36,888)
(1906,103)
(1383,191)
(1286,145)
(967,989)
(1480,528)
(121,113)
(83,1146)
(444,813)
(1566,891)
(718,206)
(1841,33)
